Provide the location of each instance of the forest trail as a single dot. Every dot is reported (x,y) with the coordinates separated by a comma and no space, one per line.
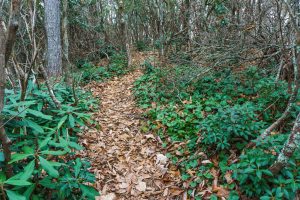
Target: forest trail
(128,164)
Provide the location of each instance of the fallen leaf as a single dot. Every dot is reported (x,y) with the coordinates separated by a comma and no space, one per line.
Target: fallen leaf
(123,185)
(141,186)
(176,191)
(161,159)
(228,177)
(206,162)
(110,196)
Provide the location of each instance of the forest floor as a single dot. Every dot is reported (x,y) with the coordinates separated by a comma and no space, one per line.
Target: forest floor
(128,164)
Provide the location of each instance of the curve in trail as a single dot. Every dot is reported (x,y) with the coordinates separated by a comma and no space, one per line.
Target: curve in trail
(128,164)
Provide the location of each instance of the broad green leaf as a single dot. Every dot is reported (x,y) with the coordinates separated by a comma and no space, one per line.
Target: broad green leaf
(62,121)
(29,191)
(2,177)
(71,120)
(47,183)
(17,157)
(14,195)
(17,176)
(28,171)
(39,106)
(76,146)
(28,150)
(268,172)
(55,153)
(17,182)
(48,167)
(22,103)
(14,113)
(63,142)
(39,114)
(259,174)
(33,125)
(2,157)
(88,191)
(44,142)
(56,164)
(77,167)
(265,198)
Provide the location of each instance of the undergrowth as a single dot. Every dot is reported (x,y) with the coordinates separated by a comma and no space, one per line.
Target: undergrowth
(44,143)
(90,72)
(214,118)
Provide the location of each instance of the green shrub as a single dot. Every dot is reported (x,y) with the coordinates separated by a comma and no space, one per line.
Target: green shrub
(254,178)
(234,123)
(90,72)
(141,45)
(219,114)
(44,144)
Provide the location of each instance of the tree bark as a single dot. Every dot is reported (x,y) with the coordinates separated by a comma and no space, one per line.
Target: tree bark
(124,31)
(289,148)
(7,40)
(52,23)
(66,61)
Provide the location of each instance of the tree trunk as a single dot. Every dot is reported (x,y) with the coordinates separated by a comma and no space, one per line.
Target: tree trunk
(66,61)
(289,148)
(52,23)
(7,40)
(124,31)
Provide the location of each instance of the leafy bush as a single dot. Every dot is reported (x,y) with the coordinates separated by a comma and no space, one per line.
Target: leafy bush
(219,114)
(254,178)
(146,88)
(90,72)
(238,122)
(44,144)
(141,45)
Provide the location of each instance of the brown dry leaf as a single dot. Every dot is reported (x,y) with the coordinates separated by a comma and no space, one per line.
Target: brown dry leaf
(184,196)
(176,192)
(166,192)
(123,185)
(161,159)
(228,177)
(206,162)
(222,192)
(110,196)
(274,133)
(141,186)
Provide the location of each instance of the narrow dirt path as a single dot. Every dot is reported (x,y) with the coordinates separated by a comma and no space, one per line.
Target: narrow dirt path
(128,164)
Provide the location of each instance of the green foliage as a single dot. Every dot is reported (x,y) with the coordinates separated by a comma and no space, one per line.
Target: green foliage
(219,114)
(44,142)
(238,123)
(146,87)
(141,45)
(254,178)
(90,72)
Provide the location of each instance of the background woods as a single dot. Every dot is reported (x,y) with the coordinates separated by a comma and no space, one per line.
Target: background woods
(220,89)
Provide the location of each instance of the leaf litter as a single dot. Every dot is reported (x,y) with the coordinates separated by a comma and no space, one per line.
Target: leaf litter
(127,163)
